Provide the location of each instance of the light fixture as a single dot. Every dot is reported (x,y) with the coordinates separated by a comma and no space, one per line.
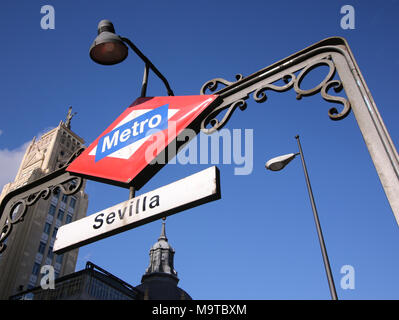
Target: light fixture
(278,163)
(108,48)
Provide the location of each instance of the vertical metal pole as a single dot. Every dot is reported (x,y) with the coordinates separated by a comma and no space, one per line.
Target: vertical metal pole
(318,227)
(145,81)
(132,192)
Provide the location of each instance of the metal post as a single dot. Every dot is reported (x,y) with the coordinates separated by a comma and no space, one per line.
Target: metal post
(145,81)
(318,227)
(132,192)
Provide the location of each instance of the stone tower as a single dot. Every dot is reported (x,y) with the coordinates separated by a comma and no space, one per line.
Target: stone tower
(30,244)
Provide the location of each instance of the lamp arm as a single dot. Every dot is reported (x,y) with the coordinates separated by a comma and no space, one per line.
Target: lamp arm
(149,64)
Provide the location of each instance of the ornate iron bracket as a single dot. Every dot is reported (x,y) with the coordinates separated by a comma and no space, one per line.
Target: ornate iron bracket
(263,84)
(336,55)
(15,204)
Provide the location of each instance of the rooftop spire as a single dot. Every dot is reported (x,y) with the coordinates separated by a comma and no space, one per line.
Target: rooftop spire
(161,256)
(163,233)
(160,279)
(69,117)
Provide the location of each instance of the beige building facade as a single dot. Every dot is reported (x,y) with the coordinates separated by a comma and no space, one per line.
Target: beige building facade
(30,244)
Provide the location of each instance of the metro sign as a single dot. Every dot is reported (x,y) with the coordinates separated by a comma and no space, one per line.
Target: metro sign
(186,193)
(124,140)
(135,146)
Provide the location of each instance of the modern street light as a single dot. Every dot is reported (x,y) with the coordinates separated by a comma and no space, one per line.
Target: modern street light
(277,164)
(109,48)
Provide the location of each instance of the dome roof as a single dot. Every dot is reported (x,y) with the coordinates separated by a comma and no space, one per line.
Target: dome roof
(160,279)
(163,244)
(162,241)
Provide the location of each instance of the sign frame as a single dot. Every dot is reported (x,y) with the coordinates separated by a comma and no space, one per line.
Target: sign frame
(200,188)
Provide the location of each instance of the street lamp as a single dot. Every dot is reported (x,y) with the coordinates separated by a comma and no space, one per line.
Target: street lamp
(109,48)
(277,164)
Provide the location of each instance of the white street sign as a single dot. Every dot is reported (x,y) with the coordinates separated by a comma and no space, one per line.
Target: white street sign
(183,194)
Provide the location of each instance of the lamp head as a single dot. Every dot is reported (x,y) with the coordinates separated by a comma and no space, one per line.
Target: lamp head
(278,163)
(108,48)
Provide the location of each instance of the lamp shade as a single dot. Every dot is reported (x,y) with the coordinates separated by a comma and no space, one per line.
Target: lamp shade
(108,48)
(280,162)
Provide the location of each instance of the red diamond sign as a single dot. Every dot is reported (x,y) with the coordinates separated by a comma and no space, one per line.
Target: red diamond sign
(130,151)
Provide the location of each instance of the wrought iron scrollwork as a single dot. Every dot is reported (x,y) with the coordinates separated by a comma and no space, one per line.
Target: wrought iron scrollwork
(259,94)
(259,88)
(18,209)
(333,112)
(215,123)
(212,85)
(16,204)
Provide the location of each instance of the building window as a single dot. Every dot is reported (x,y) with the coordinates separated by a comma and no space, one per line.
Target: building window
(58,258)
(54,232)
(68,219)
(47,227)
(51,211)
(60,214)
(50,253)
(64,198)
(36,269)
(42,247)
(72,203)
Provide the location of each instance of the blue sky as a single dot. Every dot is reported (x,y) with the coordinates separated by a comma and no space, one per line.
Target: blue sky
(259,241)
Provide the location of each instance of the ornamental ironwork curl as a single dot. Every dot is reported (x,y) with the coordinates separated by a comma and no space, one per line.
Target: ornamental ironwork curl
(333,112)
(259,94)
(18,209)
(291,81)
(215,123)
(212,85)
(55,182)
